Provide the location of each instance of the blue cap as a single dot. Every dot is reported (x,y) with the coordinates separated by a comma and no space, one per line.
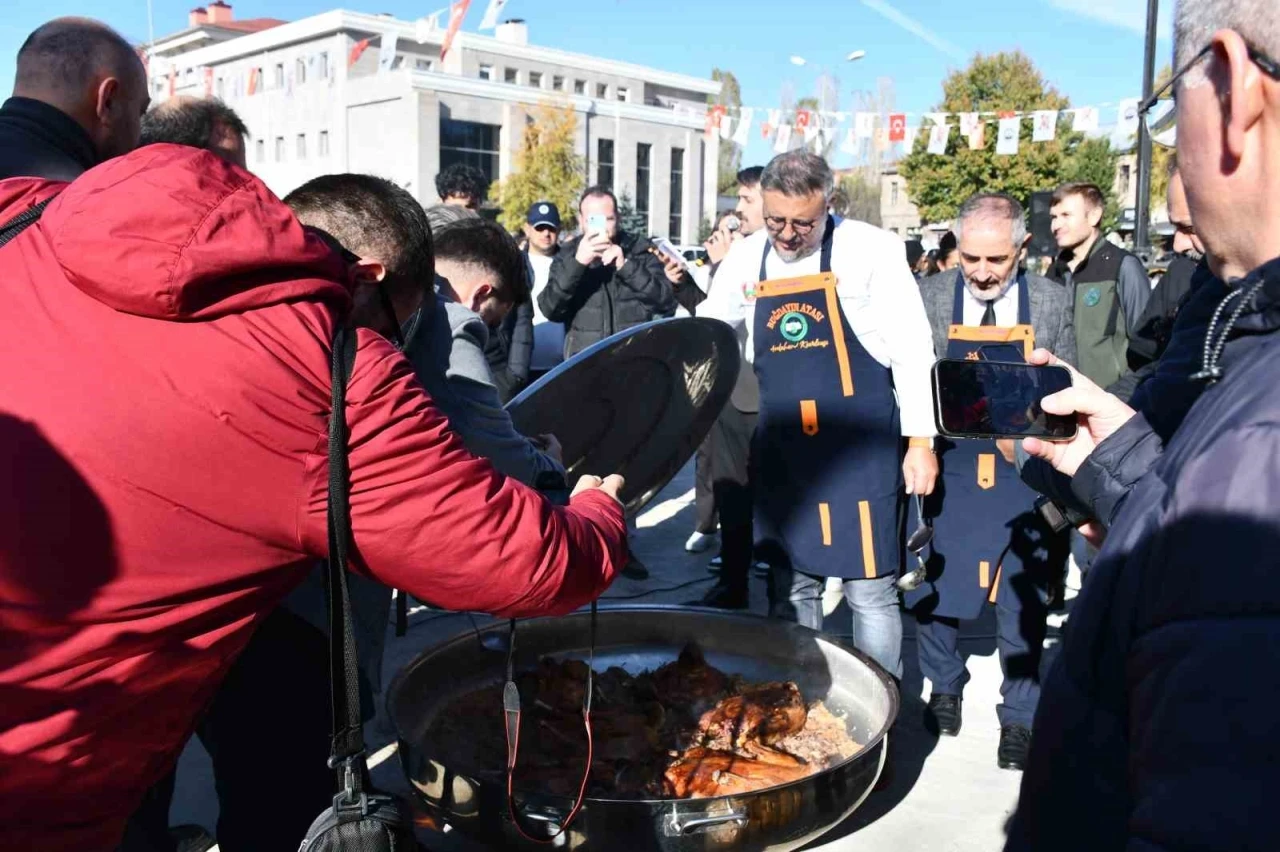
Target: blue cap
(543,213)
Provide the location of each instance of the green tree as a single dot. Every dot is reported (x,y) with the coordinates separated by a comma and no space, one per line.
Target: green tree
(547,168)
(730,98)
(629,220)
(1001,82)
(1162,159)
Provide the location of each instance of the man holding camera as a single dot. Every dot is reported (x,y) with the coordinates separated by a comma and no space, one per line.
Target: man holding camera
(606,281)
(989,544)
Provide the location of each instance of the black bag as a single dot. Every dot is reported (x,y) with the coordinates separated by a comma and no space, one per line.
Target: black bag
(361,819)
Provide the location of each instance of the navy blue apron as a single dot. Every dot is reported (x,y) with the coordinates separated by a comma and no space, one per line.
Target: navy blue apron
(827,450)
(989,543)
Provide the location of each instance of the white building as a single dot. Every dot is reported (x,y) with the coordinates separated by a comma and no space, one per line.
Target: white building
(349,92)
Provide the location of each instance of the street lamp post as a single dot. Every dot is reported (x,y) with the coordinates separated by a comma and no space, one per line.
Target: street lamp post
(1142,207)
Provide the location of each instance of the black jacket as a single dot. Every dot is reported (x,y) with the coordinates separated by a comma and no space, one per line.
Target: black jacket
(509,351)
(599,301)
(1154,729)
(37,140)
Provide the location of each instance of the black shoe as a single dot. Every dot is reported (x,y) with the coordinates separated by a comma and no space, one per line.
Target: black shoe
(722,596)
(191,838)
(635,570)
(1015,742)
(942,718)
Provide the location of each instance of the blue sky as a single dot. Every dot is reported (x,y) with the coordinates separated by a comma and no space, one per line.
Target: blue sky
(1090,49)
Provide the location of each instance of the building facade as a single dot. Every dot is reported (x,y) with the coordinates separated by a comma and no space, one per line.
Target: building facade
(349,92)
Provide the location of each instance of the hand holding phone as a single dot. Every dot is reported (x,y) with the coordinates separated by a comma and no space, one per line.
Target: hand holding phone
(997,399)
(668,253)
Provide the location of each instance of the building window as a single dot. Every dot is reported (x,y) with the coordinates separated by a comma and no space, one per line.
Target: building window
(279,149)
(324,65)
(893,193)
(604,162)
(602,90)
(279,75)
(623,93)
(422,64)
(323,145)
(510,75)
(1124,180)
(300,72)
(579,87)
(675,227)
(260,149)
(643,153)
(486,72)
(535,79)
(302,146)
(470,143)
(557,83)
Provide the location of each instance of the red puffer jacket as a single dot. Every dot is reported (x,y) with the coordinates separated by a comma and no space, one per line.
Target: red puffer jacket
(163,408)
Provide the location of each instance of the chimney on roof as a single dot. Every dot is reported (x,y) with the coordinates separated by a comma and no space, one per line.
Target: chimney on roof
(514,31)
(219,12)
(199,16)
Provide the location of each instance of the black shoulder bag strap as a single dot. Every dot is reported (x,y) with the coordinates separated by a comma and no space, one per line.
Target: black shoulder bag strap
(22,221)
(347,751)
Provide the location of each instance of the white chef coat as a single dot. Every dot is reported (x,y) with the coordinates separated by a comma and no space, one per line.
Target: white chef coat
(1006,308)
(878,294)
(548,337)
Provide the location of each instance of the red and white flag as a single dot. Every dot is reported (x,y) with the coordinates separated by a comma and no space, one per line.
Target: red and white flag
(897,127)
(357,50)
(1046,125)
(715,116)
(744,126)
(457,12)
(803,117)
(208,82)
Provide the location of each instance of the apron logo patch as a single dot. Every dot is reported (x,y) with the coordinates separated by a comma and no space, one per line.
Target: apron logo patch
(793,321)
(1092,297)
(795,327)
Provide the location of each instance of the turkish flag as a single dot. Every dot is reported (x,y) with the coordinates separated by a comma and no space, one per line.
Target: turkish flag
(802,118)
(357,50)
(457,11)
(898,127)
(714,118)
(208,82)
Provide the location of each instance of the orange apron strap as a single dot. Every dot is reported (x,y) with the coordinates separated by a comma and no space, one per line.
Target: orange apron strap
(809,416)
(868,542)
(824,517)
(995,584)
(984,575)
(986,471)
(837,338)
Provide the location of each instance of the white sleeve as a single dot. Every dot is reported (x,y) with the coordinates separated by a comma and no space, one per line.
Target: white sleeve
(725,300)
(899,311)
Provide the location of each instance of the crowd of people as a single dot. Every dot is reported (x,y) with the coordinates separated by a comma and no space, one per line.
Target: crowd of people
(164,424)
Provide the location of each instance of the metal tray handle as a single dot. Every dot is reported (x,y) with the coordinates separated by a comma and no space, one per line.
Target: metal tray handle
(678,827)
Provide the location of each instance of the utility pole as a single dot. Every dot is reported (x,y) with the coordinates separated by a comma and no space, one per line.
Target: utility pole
(1142,208)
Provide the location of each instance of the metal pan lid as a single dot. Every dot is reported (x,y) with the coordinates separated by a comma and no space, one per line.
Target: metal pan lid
(638,403)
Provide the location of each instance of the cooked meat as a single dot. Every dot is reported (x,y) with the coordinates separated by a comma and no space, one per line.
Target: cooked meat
(685,729)
(767,712)
(702,773)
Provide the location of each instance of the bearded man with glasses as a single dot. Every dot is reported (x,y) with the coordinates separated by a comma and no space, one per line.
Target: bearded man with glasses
(1154,730)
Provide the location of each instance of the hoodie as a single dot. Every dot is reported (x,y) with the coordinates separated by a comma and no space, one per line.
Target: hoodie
(163,440)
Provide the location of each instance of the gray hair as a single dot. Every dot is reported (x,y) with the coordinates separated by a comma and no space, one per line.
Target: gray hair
(992,206)
(798,173)
(442,215)
(1196,21)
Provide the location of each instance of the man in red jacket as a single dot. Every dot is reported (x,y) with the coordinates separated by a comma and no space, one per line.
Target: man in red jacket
(163,425)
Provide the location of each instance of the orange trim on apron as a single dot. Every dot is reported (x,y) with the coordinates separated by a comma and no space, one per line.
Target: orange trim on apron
(1024,334)
(984,574)
(995,584)
(808,284)
(868,544)
(824,517)
(809,416)
(986,471)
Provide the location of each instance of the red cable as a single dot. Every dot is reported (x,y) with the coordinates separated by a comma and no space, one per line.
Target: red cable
(513,749)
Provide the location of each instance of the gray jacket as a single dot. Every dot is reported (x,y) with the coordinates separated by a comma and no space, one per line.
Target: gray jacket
(1051,313)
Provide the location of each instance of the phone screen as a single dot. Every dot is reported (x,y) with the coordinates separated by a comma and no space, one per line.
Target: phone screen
(668,251)
(993,399)
(596,224)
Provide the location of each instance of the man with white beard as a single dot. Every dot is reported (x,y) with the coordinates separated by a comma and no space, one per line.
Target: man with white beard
(990,545)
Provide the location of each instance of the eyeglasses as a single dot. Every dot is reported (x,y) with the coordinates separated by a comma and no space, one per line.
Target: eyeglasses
(803,228)
(1159,112)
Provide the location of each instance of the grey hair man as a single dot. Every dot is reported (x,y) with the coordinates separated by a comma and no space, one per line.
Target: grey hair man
(1154,721)
(988,519)
(205,123)
(828,306)
(78,97)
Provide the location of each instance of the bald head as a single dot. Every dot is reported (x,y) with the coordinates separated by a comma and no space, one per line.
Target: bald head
(88,71)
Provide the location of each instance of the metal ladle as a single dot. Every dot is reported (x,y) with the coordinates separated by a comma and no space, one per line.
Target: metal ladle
(916,543)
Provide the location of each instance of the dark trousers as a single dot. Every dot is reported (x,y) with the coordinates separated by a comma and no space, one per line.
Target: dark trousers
(267,732)
(731,484)
(704,498)
(1019,642)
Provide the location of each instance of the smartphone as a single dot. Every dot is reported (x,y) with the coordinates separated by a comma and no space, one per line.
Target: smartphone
(1000,352)
(667,251)
(597,224)
(998,399)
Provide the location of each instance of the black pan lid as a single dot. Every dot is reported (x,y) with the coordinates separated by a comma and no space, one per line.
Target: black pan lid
(638,403)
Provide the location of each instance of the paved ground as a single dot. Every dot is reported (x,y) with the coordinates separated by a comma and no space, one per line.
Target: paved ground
(946,796)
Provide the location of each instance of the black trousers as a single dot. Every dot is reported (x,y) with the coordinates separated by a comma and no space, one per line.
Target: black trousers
(267,732)
(704,498)
(730,450)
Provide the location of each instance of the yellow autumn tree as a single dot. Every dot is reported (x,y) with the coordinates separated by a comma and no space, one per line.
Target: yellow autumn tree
(547,168)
